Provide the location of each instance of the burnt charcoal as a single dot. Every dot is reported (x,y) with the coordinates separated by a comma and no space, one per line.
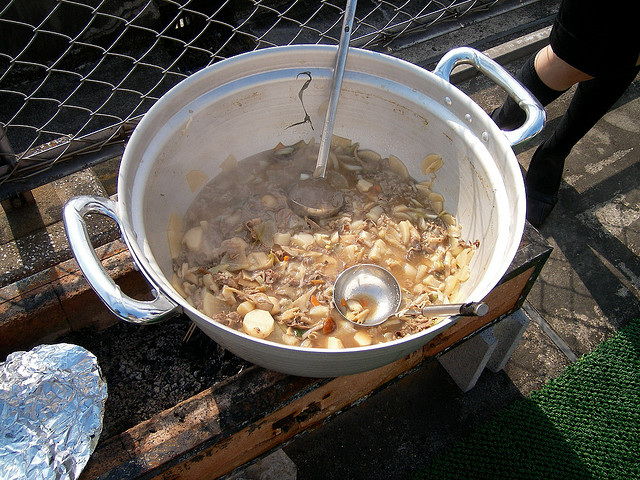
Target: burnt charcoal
(151,368)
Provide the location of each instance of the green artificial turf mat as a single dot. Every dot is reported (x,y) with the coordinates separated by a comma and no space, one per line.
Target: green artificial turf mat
(583,425)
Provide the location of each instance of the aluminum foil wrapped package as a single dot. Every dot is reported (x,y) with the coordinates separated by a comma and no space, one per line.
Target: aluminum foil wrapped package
(51,409)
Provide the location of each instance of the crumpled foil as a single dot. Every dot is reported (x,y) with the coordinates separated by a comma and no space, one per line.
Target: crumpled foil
(51,408)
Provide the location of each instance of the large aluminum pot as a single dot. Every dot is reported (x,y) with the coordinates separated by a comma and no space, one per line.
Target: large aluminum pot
(247,104)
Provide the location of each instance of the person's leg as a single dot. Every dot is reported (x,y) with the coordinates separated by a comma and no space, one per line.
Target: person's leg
(555,73)
(546,77)
(592,99)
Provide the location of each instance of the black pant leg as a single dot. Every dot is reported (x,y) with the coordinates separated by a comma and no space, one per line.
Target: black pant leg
(591,101)
(510,115)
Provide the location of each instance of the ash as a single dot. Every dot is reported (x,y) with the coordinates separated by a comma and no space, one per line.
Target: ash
(151,368)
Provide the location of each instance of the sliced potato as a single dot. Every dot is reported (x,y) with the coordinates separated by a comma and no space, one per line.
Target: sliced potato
(213,305)
(258,323)
(410,271)
(334,342)
(405,231)
(463,273)
(379,251)
(229,163)
(421,272)
(196,179)
(368,156)
(398,166)
(431,164)
(365,238)
(277,308)
(364,185)
(374,213)
(318,312)
(338,141)
(207,280)
(245,307)
(193,238)
(282,239)
(174,234)
(175,223)
(464,257)
(450,284)
(175,243)
(258,261)
(291,340)
(437,202)
(302,240)
(322,239)
(269,201)
(362,338)
(350,253)
(176,283)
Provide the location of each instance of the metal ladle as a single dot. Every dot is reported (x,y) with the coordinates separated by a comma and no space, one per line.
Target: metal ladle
(313,197)
(378,289)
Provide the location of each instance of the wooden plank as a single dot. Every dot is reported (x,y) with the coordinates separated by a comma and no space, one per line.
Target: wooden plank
(59,299)
(209,416)
(282,425)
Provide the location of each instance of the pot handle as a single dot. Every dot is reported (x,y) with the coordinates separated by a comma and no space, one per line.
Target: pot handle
(536,115)
(123,306)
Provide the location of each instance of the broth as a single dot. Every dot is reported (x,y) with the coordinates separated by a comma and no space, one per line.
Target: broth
(242,257)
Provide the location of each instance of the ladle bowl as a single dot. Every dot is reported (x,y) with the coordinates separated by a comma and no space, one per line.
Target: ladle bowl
(371,285)
(377,290)
(314,197)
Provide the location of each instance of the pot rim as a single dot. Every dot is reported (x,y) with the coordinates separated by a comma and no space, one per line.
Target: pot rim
(230,66)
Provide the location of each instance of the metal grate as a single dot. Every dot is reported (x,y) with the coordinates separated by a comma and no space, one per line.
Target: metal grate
(77,75)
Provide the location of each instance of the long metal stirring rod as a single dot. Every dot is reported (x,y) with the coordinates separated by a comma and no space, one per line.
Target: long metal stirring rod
(338,73)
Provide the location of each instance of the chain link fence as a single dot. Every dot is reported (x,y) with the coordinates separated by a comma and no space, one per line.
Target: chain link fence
(77,75)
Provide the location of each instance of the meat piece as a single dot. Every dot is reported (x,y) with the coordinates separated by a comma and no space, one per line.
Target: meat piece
(263,277)
(431,238)
(261,301)
(414,325)
(293,317)
(252,225)
(225,278)
(391,186)
(230,319)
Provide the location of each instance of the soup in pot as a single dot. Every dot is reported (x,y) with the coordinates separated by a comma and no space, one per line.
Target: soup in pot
(242,257)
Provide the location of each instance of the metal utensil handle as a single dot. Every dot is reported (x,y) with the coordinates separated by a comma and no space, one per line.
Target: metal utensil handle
(338,73)
(536,115)
(477,309)
(125,307)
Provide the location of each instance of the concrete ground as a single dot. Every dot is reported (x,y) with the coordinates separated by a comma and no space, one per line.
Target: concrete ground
(589,288)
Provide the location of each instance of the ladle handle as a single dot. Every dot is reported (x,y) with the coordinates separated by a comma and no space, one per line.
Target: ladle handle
(123,306)
(338,73)
(535,114)
(476,309)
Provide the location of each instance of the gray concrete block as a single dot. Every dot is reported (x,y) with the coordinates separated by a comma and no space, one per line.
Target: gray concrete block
(276,465)
(508,332)
(466,362)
